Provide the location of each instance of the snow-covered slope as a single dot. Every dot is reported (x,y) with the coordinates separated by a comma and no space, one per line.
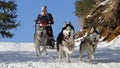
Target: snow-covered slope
(21,55)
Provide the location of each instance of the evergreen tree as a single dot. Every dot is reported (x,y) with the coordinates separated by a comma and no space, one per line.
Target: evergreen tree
(8,18)
(82,7)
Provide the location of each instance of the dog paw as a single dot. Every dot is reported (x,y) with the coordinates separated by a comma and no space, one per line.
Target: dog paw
(46,53)
(37,55)
(88,60)
(68,61)
(92,57)
(80,59)
(59,60)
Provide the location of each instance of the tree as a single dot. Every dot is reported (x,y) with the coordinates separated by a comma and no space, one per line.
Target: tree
(82,7)
(8,18)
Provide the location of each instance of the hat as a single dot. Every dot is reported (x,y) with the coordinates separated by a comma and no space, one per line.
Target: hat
(44,8)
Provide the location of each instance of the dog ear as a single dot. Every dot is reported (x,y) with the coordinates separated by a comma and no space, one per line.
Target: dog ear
(64,24)
(70,22)
(92,30)
(97,30)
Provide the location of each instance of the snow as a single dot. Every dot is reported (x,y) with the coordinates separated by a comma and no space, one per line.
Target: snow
(88,16)
(104,2)
(21,55)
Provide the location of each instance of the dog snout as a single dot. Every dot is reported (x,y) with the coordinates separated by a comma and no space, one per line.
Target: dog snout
(41,33)
(69,33)
(95,38)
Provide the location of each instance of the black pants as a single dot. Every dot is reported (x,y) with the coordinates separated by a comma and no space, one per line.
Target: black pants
(49,31)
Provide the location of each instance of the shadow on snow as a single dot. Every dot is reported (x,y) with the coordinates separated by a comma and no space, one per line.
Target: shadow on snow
(103,55)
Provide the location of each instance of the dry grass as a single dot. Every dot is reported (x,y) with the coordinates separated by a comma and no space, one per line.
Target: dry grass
(106,18)
(114,34)
(79,34)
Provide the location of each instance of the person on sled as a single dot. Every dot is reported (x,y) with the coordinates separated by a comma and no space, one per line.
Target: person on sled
(45,19)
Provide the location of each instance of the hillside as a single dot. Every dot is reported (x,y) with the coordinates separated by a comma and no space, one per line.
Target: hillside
(106,17)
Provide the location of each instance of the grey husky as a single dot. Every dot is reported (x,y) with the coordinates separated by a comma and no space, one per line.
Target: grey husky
(89,43)
(65,41)
(40,39)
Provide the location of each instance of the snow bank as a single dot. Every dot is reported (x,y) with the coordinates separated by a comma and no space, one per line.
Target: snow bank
(21,55)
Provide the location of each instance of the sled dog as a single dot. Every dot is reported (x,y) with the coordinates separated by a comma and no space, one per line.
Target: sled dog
(65,41)
(40,40)
(89,43)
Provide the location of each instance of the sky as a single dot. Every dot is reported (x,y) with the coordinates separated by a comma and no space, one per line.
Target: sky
(27,11)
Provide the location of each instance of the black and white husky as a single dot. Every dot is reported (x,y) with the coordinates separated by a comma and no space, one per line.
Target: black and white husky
(65,41)
(40,40)
(89,43)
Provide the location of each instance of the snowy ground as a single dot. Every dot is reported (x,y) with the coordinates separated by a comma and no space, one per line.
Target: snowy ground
(21,55)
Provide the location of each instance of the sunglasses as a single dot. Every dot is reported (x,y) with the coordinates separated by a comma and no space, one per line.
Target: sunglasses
(44,11)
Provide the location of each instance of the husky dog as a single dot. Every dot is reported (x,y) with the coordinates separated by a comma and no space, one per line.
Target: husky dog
(40,39)
(65,41)
(89,43)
